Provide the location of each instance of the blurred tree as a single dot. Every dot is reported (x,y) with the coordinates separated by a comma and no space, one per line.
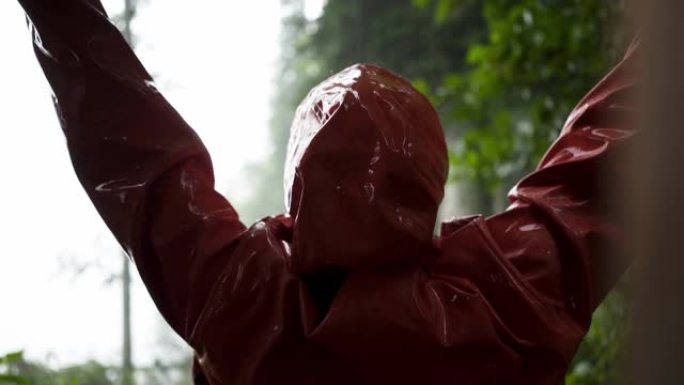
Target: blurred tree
(90,373)
(22,372)
(538,59)
(296,73)
(395,35)
(172,359)
(9,374)
(600,358)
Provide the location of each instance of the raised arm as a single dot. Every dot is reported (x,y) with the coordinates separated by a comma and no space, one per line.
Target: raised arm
(143,167)
(562,231)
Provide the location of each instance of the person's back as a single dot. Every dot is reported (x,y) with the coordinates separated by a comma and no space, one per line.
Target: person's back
(351,286)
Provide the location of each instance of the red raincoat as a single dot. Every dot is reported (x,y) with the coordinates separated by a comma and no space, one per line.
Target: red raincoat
(351,287)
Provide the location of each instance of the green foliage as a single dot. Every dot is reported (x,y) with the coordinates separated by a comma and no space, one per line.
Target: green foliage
(7,375)
(395,35)
(600,357)
(90,373)
(442,10)
(8,379)
(18,371)
(538,59)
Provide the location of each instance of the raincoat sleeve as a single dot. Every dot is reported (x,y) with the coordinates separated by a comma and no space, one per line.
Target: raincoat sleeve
(145,170)
(562,231)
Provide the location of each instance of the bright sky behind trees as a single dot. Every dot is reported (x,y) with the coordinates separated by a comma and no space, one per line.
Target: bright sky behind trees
(214,60)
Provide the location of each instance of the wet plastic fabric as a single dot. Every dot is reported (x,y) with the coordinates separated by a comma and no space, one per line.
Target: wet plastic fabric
(351,288)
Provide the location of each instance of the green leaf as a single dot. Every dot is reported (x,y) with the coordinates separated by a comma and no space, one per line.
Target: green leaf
(421,85)
(7,379)
(443,10)
(11,357)
(421,4)
(453,80)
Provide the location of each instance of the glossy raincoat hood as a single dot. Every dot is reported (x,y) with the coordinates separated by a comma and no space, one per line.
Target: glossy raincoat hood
(365,171)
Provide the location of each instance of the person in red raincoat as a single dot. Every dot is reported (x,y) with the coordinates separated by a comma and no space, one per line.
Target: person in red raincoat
(350,286)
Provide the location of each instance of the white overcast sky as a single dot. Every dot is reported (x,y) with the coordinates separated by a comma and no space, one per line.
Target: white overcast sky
(214,60)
